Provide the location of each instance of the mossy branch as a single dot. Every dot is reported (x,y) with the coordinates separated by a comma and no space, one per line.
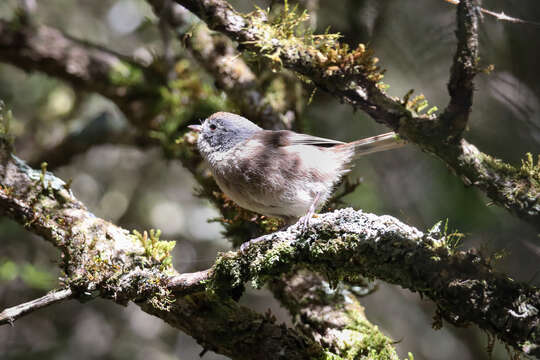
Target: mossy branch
(346,244)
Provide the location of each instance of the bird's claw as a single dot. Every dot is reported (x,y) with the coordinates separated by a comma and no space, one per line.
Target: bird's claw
(305,222)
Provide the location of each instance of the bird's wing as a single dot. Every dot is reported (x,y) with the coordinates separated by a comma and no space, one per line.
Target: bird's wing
(283,138)
(304,139)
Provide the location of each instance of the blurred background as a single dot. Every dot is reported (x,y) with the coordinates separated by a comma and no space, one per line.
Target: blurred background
(137,188)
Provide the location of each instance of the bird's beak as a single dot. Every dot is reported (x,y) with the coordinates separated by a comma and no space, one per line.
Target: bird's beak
(196,128)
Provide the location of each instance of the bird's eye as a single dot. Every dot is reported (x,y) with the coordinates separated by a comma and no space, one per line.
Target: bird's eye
(213,127)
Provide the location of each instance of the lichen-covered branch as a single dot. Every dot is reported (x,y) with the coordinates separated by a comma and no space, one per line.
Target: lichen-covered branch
(9,315)
(353,77)
(464,68)
(347,243)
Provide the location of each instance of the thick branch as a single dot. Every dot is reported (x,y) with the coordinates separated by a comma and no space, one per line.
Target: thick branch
(9,315)
(355,87)
(464,68)
(347,243)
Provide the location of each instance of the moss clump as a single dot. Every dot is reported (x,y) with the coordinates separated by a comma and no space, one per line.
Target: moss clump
(417,104)
(528,169)
(285,38)
(531,169)
(525,180)
(366,341)
(449,240)
(156,250)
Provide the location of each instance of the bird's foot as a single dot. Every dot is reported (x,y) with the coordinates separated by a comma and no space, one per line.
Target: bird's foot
(305,221)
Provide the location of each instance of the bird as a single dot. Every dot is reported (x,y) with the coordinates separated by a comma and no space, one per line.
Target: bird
(278,173)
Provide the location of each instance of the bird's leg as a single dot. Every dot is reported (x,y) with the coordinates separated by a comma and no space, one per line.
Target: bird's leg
(306,219)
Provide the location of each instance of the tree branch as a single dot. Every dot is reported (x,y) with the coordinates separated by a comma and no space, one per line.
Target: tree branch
(9,315)
(330,314)
(517,191)
(348,243)
(464,68)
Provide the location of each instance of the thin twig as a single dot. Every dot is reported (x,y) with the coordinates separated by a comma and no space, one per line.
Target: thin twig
(500,16)
(9,315)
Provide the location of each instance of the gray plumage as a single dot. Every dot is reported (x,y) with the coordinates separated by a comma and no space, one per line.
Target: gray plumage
(278,173)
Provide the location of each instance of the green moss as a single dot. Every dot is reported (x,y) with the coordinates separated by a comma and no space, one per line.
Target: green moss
(366,341)
(449,240)
(285,36)
(531,169)
(499,165)
(417,104)
(156,250)
(528,169)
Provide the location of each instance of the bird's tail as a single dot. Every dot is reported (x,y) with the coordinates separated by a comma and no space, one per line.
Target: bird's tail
(376,143)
